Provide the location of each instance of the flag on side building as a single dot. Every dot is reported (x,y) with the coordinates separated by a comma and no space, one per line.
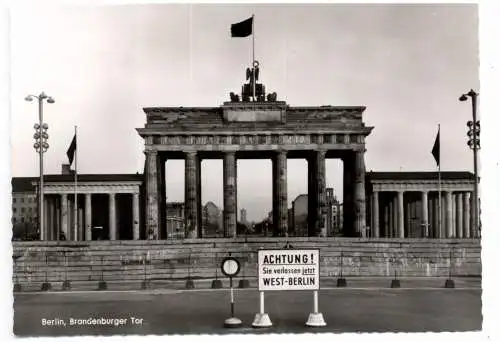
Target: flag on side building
(242,29)
(436,150)
(72,150)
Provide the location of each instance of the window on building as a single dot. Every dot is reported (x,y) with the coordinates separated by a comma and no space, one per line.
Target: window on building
(22,200)
(22,210)
(14,200)
(22,219)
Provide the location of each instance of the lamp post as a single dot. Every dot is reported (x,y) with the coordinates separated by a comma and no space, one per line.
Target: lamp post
(474,144)
(41,146)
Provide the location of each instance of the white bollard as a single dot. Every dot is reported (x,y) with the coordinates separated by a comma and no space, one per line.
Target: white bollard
(262,319)
(315,318)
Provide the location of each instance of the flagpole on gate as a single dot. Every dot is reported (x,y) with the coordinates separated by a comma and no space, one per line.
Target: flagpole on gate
(76,183)
(439,182)
(253,55)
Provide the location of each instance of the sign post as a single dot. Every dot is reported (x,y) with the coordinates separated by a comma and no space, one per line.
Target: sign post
(231,267)
(289,270)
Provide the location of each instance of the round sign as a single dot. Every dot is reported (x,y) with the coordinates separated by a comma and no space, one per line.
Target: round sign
(230,266)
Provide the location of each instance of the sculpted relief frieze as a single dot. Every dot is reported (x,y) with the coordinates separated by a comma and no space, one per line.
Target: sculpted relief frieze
(254,139)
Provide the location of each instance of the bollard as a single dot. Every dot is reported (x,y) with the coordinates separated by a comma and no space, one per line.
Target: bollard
(102,284)
(341,281)
(395,284)
(189,281)
(46,286)
(449,283)
(145,283)
(66,286)
(216,283)
(17,285)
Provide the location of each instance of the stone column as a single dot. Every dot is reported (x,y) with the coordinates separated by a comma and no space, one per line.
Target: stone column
(425,213)
(407,218)
(280,208)
(437,212)
(112,216)
(64,215)
(190,196)
(449,214)
(88,217)
(320,193)
(466,209)
(152,196)
(135,216)
(459,215)
(395,217)
(400,212)
(386,220)
(390,231)
(58,219)
(80,224)
(375,213)
(229,180)
(359,193)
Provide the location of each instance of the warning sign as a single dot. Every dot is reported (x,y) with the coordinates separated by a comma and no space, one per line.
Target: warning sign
(288,269)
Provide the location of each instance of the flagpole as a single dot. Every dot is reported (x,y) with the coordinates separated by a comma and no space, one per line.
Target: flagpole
(253,55)
(76,198)
(439,183)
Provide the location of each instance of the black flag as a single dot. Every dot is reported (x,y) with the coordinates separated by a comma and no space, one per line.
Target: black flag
(436,150)
(71,150)
(242,29)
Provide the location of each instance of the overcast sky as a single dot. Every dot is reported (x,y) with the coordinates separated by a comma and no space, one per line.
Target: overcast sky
(408,64)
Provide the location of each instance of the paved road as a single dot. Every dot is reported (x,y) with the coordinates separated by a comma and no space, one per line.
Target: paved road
(204,311)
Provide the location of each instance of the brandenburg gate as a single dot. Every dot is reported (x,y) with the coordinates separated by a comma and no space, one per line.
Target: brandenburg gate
(256,127)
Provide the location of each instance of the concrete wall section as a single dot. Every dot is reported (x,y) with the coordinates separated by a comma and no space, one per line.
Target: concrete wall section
(168,260)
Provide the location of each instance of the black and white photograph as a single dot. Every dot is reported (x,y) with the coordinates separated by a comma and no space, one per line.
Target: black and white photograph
(245,168)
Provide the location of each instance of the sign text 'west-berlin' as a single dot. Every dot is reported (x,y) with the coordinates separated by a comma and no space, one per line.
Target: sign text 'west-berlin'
(288,269)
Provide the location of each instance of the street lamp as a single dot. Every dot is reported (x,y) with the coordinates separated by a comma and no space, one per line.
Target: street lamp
(473,142)
(41,146)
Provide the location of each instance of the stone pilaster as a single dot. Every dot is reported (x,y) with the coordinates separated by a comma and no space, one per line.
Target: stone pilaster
(280,208)
(229,180)
(375,213)
(152,205)
(460,215)
(199,207)
(425,213)
(359,193)
(135,216)
(190,196)
(467,217)
(449,214)
(88,217)
(348,189)
(162,202)
(400,212)
(112,216)
(64,216)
